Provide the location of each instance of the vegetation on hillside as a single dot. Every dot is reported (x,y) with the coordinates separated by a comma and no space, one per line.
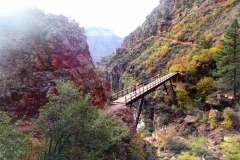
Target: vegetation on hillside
(67,128)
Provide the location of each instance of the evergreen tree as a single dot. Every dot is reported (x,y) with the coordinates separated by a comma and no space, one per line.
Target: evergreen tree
(228,58)
(202,43)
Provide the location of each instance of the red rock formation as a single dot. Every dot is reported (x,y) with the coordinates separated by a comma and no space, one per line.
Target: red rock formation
(32,59)
(165,25)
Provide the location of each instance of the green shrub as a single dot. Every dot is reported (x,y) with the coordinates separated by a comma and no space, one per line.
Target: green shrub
(197,145)
(178,147)
(231,119)
(182,96)
(184,132)
(163,119)
(13,143)
(205,86)
(166,137)
(187,156)
(134,156)
(137,146)
(231,148)
(163,108)
(213,118)
(149,125)
(204,117)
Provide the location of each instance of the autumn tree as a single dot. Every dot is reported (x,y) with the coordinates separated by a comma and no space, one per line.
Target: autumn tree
(182,96)
(228,58)
(205,86)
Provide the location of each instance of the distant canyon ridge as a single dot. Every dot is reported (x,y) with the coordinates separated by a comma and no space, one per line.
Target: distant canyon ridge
(102,42)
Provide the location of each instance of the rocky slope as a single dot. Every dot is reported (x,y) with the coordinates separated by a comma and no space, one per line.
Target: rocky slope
(102,42)
(37,49)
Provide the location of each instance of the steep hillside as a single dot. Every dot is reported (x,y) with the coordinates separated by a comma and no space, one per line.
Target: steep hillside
(37,49)
(102,42)
(169,38)
(184,36)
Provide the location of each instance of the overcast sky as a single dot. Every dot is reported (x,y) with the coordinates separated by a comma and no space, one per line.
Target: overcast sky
(121,16)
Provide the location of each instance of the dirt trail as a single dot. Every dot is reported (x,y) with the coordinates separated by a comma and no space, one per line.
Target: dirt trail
(175,41)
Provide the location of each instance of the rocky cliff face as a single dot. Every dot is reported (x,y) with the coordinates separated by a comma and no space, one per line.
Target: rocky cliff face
(37,49)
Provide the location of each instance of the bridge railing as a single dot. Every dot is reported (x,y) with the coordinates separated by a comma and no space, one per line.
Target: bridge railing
(149,86)
(121,93)
(144,85)
(129,89)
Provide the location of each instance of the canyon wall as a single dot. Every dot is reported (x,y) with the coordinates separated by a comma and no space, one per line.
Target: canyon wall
(37,49)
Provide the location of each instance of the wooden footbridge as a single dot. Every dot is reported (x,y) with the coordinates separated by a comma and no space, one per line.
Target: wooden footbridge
(128,96)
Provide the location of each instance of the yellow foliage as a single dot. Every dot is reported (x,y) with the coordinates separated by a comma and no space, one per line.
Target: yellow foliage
(163,50)
(35,149)
(177,67)
(205,55)
(214,50)
(213,118)
(182,96)
(165,137)
(182,63)
(227,123)
(176,36)
(204,19)
(231,148)
(205,86)
(187,156)
(229,118)
(148,63)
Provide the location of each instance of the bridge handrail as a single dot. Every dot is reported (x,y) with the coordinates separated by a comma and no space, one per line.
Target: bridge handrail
(115,95)
(147,80)
(128,90)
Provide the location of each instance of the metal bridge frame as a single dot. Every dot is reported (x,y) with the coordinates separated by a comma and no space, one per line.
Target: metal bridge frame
(128,96)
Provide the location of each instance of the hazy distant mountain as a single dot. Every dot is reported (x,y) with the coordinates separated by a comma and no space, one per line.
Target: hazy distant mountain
(102,42)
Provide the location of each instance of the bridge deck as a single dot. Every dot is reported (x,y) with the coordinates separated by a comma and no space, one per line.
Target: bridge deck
(133,96)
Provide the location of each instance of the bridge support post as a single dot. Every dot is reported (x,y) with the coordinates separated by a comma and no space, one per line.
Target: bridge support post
(165,87)
(172,87)
(130,105)
(139,111)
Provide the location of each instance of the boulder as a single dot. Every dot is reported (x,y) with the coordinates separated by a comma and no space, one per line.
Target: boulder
(190,119)
(124,113)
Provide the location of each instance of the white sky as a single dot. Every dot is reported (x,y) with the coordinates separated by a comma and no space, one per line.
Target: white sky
(121,16)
